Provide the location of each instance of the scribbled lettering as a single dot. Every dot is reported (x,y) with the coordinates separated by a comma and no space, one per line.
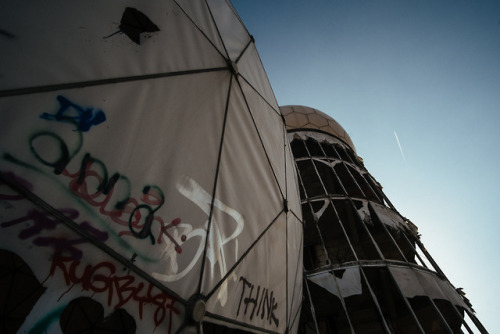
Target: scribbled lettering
(257,300)
(120,289)
(217,240)
(60,162)
(110,194)
(93,184)
(93,174)
(42,221)
(145,229)
(69,112)
(7,193)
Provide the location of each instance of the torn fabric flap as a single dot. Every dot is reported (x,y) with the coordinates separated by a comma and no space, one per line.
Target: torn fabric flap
(388,217)
(328,163)
(317,215)
(134,23)
(364,212)
(349,284)
(318,136)
(420,283)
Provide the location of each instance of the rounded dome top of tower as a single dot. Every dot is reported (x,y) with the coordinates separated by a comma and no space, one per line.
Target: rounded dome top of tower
(301,117)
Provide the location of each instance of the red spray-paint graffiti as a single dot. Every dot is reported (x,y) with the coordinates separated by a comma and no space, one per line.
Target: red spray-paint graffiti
(137,215)
(99,278)
(120,289)
(110,194)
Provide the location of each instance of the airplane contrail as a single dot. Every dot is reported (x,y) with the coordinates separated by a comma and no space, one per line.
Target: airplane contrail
(400,148)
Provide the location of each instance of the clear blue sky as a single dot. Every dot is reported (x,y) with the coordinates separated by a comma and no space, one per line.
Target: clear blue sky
(427,70)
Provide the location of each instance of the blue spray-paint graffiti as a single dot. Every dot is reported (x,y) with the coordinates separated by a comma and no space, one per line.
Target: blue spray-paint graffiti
(84,117)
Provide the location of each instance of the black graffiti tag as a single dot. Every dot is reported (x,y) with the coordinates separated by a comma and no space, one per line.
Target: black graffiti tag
(262,300)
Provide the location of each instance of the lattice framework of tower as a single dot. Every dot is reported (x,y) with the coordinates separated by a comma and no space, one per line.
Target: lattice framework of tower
(365,267)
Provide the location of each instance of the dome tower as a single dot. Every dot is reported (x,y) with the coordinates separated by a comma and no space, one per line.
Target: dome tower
(365,268)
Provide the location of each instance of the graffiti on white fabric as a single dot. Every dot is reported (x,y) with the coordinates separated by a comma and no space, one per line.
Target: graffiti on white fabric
(216,241)
(119,212)
(121,289)
(38,225)
(67,256)
(109,192)
(70,112)
(262,302)
(42,221)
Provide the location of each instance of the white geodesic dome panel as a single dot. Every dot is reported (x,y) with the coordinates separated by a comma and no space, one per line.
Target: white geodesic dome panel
(145,171)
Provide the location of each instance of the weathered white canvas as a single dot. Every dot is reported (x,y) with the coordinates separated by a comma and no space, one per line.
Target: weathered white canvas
(144,164)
